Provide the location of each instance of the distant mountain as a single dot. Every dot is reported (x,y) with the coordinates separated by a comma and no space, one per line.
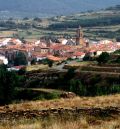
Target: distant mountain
(43,8)
(115,8)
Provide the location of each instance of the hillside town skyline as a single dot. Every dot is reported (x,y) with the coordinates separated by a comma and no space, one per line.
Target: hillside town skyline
(75,48)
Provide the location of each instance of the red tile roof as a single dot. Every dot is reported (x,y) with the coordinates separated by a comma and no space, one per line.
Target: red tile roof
(54,58)
(79,54)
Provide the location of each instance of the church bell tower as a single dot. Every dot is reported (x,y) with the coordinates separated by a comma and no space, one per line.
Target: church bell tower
(79,36)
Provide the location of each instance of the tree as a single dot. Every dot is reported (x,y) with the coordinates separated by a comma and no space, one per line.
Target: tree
(20,59)
(87,57)
(67,77)
(77,87)
(33,61)
(50,63)
(103,58)
(8,82)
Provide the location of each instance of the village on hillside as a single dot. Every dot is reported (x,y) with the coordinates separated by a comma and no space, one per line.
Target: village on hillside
(39,50)
(59,71)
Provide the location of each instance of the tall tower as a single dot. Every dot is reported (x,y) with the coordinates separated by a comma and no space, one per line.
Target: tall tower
(79,36)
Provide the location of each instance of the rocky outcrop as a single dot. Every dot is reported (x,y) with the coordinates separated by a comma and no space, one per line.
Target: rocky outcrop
(68,95)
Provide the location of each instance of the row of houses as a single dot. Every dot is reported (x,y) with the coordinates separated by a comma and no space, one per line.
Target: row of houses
(54,51)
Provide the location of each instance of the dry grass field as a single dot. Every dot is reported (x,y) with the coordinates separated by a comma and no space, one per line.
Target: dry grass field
(36,67)
(82,123)
(80,102)
(76,64)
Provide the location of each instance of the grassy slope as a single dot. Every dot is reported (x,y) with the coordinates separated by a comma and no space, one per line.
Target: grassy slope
(82,122)
(102,101)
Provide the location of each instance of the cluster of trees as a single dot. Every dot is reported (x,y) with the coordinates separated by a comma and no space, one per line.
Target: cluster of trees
(107,34)
(85,84)
(102,21)
(94,85)
(20,59)
(50,37)
(46,62)
(13,25)
(107,58)
(10,24)
(103,58)
(8,82)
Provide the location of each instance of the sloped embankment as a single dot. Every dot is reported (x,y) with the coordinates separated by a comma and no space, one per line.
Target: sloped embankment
(108,112)
(101,106)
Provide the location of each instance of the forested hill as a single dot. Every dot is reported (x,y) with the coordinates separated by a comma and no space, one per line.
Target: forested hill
(51,7)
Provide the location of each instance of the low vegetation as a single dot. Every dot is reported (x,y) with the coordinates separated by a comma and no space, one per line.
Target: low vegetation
(79,102)
(101,21)
(29,94)
(80,123)
(65,121)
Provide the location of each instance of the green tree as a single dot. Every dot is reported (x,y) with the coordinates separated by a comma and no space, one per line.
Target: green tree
(87,57)
(103,58)
(8,82)
(67,77)
(33,61)
(50,63)
(20,59)
(77,87)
